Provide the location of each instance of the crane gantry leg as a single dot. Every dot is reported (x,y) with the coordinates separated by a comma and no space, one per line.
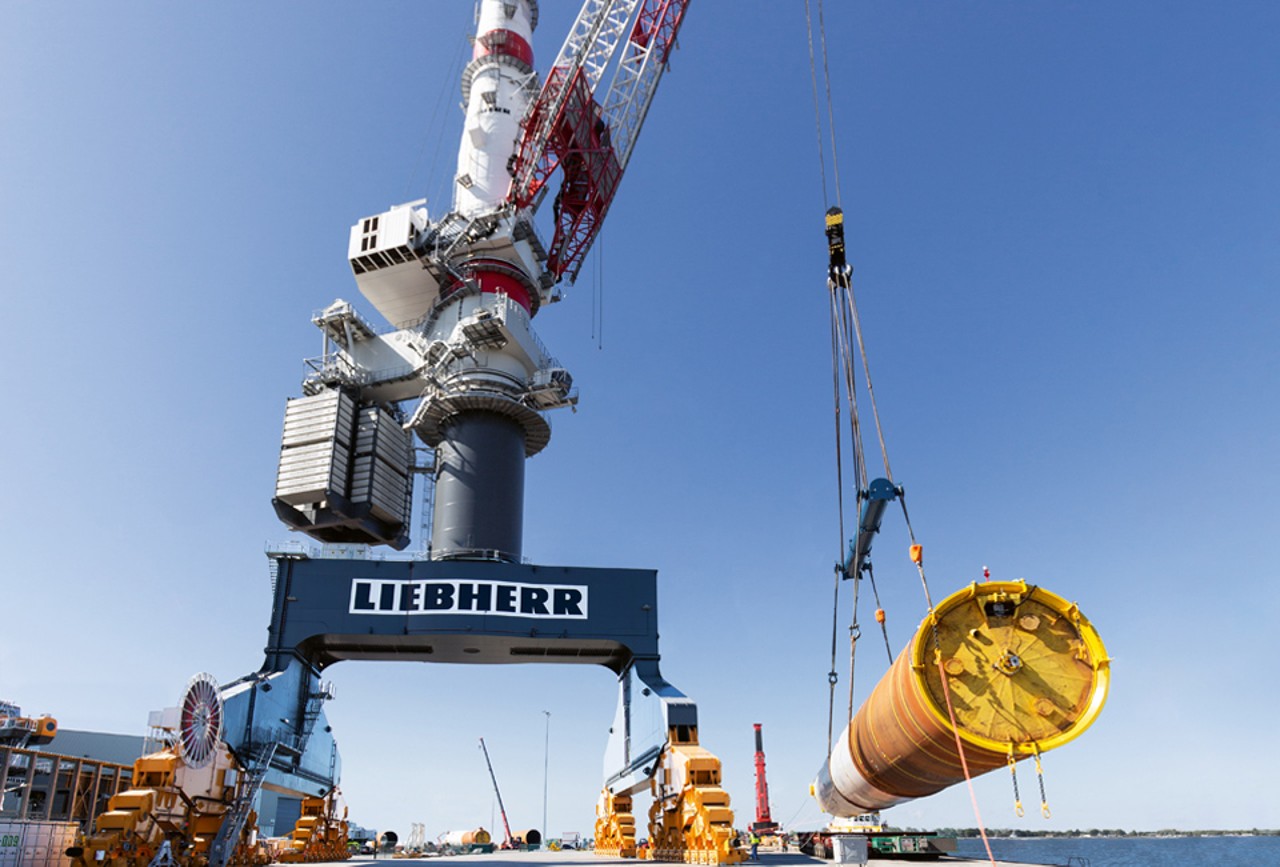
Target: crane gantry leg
(615,826)
(690,820)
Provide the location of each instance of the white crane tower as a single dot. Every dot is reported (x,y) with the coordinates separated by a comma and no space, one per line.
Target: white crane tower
(462,369)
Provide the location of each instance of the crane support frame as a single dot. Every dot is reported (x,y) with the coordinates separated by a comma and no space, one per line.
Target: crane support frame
(326,610)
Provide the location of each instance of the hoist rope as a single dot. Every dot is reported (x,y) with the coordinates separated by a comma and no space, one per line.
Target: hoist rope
(817,112)
(447,86)
(831,117)
(846,329)
(597,295)
(918,558)
(855,632)
(836,573)
(871,392)
(842,334)
(884,631)
(850,385)
(841,347)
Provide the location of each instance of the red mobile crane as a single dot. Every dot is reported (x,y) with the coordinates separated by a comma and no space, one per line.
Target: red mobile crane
(764,823)
(508,842)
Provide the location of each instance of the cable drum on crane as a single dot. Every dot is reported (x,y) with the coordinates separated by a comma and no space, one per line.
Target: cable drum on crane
(1024,671)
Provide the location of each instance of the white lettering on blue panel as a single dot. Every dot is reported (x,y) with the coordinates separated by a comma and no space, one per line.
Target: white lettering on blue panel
(500,598)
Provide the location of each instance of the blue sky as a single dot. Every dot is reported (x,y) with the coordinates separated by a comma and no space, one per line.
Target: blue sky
(1065,224)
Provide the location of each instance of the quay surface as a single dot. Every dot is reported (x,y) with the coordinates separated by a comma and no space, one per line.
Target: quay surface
(588,859)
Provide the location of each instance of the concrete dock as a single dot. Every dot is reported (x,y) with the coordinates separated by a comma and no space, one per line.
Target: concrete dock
(588,859)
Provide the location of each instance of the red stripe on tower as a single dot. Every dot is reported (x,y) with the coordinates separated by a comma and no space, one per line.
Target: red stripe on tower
(499,278)
(506,42)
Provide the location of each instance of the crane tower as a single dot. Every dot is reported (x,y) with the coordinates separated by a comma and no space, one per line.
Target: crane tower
(462,368)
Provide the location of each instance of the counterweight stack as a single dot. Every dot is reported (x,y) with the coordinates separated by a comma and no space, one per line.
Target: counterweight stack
(1025,673)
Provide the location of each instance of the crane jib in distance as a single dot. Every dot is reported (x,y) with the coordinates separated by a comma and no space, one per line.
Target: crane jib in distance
(764,823)
(506,826)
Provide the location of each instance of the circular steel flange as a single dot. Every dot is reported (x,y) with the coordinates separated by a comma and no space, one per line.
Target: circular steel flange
(429,424)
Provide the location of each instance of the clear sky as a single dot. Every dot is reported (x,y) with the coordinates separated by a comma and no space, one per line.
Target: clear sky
(1065,223)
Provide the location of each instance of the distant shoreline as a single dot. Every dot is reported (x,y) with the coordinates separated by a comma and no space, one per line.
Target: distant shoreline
(1017,834)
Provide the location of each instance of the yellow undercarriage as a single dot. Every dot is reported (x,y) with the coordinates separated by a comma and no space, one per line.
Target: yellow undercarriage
(690,820)
(172,802)
(319,835)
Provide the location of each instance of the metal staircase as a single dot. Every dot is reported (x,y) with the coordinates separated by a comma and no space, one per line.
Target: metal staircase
(224,844)
(250,785)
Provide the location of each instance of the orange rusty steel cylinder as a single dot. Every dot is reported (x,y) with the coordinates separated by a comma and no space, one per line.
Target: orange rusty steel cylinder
(1026,673)
(478,837)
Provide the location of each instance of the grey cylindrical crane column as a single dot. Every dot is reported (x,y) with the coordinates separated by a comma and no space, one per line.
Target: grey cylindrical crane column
(479,497)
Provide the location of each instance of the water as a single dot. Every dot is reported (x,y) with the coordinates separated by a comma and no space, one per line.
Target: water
(1132,851)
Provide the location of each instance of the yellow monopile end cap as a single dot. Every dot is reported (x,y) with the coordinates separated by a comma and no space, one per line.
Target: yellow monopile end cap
(1026,671)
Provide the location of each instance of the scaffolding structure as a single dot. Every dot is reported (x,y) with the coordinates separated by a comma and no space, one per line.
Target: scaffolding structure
(42,786)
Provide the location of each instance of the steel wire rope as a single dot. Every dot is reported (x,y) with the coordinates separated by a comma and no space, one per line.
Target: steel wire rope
(807,804)
(917,557)
(871,574)
(835,601)
(835,375)
(842,368)
(852,333)
(871,393)
(831,117)
(855,632)
(841,363)
(455,66)
(851,310)
(817,111)
(850,385)
(845,363)
(597,295)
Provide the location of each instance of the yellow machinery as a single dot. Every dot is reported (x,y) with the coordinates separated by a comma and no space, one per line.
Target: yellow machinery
(1002,671)
(190,804)
(690,819)
(615,826)
(320,833)
(168,802)
(173,802)
(21,731)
